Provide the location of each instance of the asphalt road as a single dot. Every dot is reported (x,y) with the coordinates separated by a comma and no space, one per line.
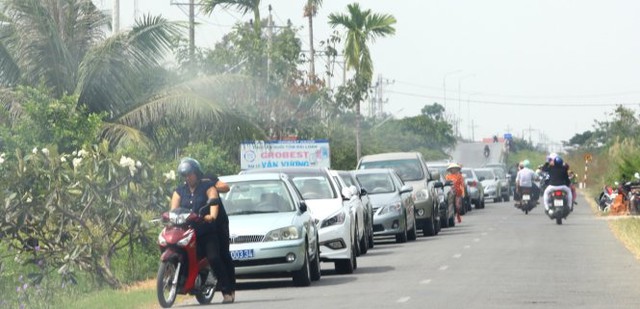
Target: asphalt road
(497,257)
(472,154)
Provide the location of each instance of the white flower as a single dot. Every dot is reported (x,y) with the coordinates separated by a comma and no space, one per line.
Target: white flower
(74,153)
(63,159)
(129,163)
(83,153)
(45,151)
(76,162)
(35,150)
(29,200)
(138,164)
(2,157)
(170,175)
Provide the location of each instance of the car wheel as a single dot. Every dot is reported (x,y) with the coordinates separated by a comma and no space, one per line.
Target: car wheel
(370,239)
(429,228)
(412,233)
(496,200)
(346,266)
(444,221)
(506,198)
(482,203)
(316,272)
(452,222)
(402,236)
(364,246)
(302,277)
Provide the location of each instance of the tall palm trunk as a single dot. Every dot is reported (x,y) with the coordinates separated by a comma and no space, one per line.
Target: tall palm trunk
(312,69)
(358,147)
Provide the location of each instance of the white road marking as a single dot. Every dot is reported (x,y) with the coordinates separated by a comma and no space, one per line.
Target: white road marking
(443,267)
(426,281)
(457,256)
(467,246)
(484,234)
(403,299)
(476,239)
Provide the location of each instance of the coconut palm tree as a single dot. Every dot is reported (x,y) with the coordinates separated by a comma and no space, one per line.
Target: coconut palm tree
(63,46)
(362,27)
(310,10)
(244,6)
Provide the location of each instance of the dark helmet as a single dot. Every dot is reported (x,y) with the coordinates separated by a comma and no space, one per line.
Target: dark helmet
(558,161)
(189,165)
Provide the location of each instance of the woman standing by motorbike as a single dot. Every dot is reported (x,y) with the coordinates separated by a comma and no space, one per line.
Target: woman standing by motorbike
(198,192)
(457,189)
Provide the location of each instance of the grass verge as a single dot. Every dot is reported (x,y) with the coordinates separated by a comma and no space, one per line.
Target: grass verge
(625,228)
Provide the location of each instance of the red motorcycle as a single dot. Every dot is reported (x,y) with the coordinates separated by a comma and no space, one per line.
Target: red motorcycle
(181,270)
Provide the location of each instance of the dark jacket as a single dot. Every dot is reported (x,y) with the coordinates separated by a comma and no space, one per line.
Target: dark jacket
(558,175)
(198,199)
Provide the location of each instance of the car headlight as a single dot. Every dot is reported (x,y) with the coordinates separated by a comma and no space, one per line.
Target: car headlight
(395,207)
(185,241)
(161,240)
(285,233)
(336,219)
(421,195)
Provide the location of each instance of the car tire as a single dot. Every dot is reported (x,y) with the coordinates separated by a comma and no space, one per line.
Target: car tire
(402,236)
(302,277)
(430,227)
(497,200)
(346,266)
(316,272)
(451,222)
(444,221)
(411,235)
(370,239)
(364,246)
(506,198)
(482,204)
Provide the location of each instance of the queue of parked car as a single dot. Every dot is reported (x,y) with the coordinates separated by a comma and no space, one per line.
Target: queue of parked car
(286,221)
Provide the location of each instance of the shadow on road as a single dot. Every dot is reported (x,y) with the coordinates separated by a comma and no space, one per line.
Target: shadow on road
(374,270)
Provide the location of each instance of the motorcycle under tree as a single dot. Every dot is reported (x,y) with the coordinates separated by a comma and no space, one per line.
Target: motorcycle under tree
(182,270)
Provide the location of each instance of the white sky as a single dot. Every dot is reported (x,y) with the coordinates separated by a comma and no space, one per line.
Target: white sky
(571,54)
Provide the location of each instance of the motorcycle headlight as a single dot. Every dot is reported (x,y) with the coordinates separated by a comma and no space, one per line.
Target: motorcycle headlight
(185,241)
(161,240)
(336,219)
(395,207)
(285,233)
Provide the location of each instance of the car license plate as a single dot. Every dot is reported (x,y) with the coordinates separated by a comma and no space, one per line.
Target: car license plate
(242,254)
(558,202)
(526,197)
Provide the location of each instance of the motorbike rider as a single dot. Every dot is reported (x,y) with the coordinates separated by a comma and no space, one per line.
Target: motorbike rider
(558,178)
(213,234)
(524,178)
(487,151)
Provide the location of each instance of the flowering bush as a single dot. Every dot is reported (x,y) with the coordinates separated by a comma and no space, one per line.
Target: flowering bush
(79,209)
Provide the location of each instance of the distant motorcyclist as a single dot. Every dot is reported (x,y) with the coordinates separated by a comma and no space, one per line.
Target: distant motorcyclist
(524,178)
(558,178)
(487,151)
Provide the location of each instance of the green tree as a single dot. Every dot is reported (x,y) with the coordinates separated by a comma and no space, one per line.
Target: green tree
(244,6)
(362,27)
(310,11)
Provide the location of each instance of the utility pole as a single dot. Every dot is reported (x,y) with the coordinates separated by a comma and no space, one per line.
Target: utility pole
(192,31)
(115,16)
(269,42)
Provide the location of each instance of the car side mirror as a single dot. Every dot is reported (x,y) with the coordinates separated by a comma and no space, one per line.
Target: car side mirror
(435,175)
(346,194)
(481,178)
(438,185)
(303,207)
(448,183)
(406,189)
(363,191)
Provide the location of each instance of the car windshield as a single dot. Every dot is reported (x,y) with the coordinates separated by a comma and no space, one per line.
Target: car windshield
(468,174)
(485,173)
(255,197)
(499,172)
(313,187)
(408,169)
(376,183)
(347,180)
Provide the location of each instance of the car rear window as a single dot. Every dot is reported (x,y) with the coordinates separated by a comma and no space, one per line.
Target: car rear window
(484,173)
(376,183)
(408,169)
(257,196)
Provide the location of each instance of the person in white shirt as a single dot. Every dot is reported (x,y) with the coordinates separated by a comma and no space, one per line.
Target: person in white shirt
(525,177)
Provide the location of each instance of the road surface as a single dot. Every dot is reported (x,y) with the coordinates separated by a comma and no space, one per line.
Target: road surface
(498,257)
(472,154)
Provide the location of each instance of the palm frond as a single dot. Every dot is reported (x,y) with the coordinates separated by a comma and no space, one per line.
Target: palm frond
(244,6)
(107,71)
(121,136)
(378,25)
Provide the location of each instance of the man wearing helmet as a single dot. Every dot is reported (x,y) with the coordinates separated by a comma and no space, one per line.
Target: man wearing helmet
(524,178)
(558,178)
(196,193)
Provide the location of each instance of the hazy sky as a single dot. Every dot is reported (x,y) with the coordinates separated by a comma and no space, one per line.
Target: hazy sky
(552,65)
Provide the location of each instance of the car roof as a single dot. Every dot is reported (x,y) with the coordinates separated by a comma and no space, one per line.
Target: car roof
(254,176)
(390,156)
(374,171)
(290,170)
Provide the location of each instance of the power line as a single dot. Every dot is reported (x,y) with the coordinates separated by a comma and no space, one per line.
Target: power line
(517,103)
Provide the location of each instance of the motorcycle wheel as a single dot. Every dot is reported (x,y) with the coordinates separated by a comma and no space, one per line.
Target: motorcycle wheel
(166,291)
(559,220)
(206,296)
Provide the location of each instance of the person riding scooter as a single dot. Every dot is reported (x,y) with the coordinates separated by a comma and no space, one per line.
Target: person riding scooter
(558,178)
(524,178)
(487,151)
